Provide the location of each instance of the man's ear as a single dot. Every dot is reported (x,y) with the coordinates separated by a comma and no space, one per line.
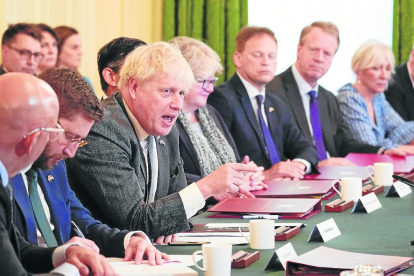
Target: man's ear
(4,51)
(236,59)
(25,146)
(132,88)
(109,76)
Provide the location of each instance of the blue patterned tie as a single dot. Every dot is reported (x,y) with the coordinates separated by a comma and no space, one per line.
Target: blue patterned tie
(270,145)
(316,126)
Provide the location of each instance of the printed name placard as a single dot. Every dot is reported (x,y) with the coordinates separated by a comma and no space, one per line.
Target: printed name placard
(281,256)
(398,189)
(367,203)
(325,231)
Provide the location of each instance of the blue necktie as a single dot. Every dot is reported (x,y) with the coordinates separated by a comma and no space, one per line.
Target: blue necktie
(270,145)
(316,126)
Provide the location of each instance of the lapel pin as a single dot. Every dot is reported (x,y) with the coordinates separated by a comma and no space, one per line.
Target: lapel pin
(271,109)
(162,142)
(50,178)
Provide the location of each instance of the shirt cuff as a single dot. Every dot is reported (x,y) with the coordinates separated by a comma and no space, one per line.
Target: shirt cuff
(65,269)
(304,162)
(192,198)
(135,233)
(59,254)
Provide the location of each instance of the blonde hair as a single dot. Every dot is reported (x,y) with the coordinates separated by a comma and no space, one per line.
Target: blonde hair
(157,60)
(327,27)
(202,59)
(370,54)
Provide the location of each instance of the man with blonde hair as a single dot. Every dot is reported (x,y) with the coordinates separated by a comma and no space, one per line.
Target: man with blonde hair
(400,93)
(315,109)
(131,173)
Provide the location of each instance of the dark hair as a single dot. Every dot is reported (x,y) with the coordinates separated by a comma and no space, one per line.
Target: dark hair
(248,32)
(21,28)
(75,95)
(112,55)
(63,33)
(46,28)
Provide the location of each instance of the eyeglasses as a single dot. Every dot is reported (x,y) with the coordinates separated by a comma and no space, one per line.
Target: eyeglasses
(206,83)
(26,54)
(80,141)
(53,132)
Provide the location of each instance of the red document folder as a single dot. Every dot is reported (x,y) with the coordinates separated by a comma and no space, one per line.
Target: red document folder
(287,208)
(298,188)
(328,261)
(402,164)
(338,172)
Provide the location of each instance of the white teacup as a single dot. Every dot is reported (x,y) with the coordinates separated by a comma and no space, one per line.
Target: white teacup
(216,259)
(382,173)
(262,233)
(351,188)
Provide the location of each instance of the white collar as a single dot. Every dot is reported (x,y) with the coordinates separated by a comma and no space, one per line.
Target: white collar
(304,87)
(3,174)
(251,90)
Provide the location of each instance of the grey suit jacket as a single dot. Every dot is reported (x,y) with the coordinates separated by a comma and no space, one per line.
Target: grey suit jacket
(109,176)
(338,139)
(400,93)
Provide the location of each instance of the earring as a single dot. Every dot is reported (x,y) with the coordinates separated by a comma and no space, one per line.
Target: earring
(358,81)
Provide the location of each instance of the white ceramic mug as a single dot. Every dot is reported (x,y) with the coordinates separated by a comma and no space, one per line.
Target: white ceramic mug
(216,259)
(382,173)
(351,188)
(262,233)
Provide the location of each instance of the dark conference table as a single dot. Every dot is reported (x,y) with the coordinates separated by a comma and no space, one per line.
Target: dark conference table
(385,231)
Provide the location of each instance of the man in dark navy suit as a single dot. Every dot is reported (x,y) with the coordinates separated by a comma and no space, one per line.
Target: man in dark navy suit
(260,123)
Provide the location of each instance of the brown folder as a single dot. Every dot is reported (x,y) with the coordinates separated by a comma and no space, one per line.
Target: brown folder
(298,188)
(328,261)
(286,208)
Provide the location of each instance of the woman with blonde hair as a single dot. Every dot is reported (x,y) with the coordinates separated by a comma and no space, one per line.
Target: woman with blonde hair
(364,107)
(205,142)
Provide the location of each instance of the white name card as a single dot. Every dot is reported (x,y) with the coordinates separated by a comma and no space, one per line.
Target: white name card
(399,189)
(281,256)
(367,203)
(325,231)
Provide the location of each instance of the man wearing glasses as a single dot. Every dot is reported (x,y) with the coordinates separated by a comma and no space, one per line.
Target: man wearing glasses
(59,208)
(20,49)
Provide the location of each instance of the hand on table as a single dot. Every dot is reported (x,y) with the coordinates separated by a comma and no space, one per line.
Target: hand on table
(139,248)
(286,170)
(335,161)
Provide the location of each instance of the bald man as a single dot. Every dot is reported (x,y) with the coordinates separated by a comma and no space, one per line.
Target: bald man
(28,120)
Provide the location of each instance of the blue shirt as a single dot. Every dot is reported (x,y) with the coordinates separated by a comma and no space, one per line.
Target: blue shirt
(390,129)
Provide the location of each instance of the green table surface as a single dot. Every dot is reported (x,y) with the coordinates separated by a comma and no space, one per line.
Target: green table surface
(385,231)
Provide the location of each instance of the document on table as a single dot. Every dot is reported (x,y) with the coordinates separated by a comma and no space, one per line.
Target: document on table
(213,237)
(236,225)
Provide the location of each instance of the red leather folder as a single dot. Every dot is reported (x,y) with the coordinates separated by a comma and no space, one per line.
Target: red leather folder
(402,164)
(286,208)
(338,172)
(298,188)
(328,261)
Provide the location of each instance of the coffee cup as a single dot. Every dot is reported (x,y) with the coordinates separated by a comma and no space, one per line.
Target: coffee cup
(216,259)
(262,233)
(351,188)
(382,173)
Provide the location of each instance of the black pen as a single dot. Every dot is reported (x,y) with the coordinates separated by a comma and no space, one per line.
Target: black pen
(76,229)
(403,180)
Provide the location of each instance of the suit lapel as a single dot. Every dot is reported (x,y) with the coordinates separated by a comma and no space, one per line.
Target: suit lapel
(23,203)
(295,102)
(272,123)
(163,167)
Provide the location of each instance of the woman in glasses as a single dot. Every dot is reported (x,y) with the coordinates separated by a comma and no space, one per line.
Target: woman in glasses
(205,142)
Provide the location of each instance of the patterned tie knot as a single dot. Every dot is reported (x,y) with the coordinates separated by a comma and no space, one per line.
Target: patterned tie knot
(259,99)
(312,93)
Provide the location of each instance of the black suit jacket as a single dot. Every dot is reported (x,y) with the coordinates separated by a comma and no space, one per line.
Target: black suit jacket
(2,70)
(16,254)
(109,176)
(338,139)
(187,151)
(400,93)
(233,103)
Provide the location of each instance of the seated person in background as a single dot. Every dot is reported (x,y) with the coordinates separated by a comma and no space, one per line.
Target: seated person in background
(400,92)
(22,140)
(20,48)
(259,122)
(369,116)
(48,48)
(205,142)
(78,110)
(131,174)
(111,58)
(318,116)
